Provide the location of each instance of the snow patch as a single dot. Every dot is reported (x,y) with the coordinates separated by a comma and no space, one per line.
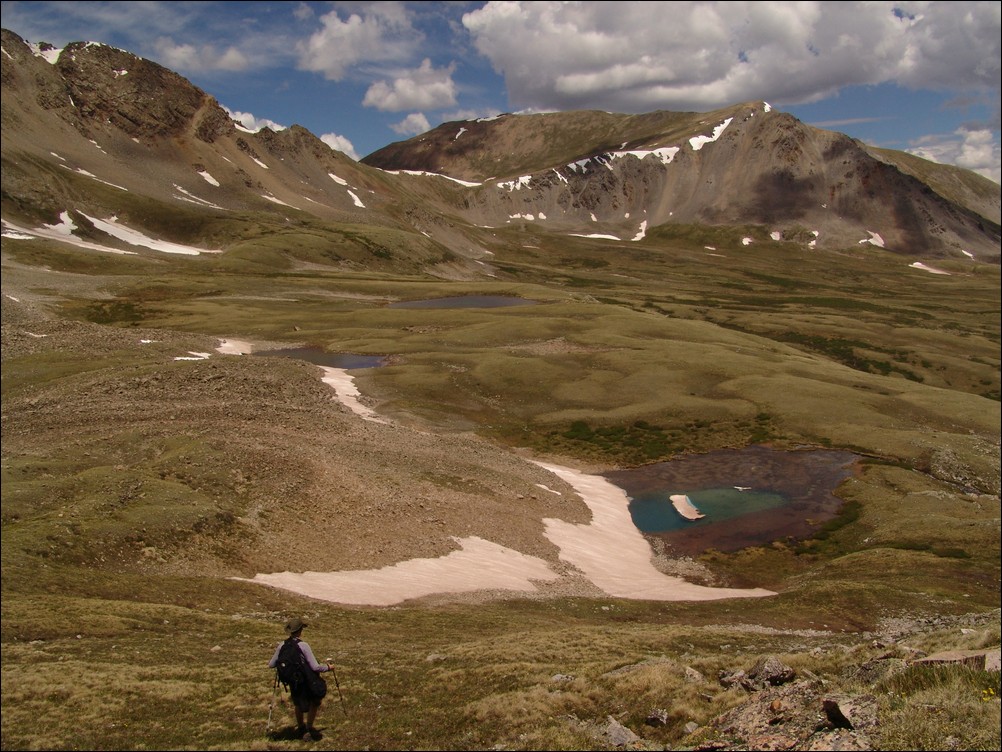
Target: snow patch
(274,200)
(63,231)
(357,200)
(92,176)
(134,237)
(516,185)
(65,226)
(664,155)
(467,183)
(50,56)
(874,239)
(192,198)
(930,269)
(209,179)
(698,142)
(10,232)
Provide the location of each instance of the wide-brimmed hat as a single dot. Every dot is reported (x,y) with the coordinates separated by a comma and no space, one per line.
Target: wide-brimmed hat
(294,624)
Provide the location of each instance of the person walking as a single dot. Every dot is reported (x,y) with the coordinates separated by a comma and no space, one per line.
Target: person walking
(308,692)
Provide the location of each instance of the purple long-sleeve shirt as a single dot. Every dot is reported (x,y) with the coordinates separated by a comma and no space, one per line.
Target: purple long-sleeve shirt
(307,652)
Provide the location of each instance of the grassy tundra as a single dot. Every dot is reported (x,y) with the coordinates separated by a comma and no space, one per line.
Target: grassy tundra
(136,486)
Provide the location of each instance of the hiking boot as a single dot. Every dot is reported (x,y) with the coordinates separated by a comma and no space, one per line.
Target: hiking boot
(313,735)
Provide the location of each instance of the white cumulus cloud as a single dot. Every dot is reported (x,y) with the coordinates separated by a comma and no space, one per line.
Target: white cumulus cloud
(381,32)
(423,88)
(412,125)
(189,57)
(971,149)
(253,123)
(641,56)
(341,144)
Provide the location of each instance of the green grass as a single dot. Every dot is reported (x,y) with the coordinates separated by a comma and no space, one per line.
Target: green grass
(925,706)
(115,637)
(140,675)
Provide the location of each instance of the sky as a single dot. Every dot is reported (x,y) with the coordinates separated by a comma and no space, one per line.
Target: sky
(921,77)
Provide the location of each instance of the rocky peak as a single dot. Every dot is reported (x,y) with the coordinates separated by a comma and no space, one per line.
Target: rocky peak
(140,97)
(93,85)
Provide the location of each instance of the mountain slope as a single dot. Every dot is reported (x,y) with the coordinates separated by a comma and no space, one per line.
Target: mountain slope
(744,165)
(130,122)
(96,132)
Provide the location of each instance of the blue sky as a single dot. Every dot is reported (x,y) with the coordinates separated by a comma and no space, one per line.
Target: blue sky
(922,77)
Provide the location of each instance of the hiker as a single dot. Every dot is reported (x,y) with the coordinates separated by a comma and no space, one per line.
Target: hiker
(307,691)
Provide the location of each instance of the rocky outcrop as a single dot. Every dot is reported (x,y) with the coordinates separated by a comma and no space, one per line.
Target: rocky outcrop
(767,672)
(784,709)
(980,660)
(801,715)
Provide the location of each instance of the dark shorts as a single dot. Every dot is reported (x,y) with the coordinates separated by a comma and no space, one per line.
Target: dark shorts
(304,699)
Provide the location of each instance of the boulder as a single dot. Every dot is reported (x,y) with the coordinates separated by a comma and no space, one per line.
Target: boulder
(768,672)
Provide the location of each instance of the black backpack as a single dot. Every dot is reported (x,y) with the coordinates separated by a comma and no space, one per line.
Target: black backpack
(291,667)
(295,673)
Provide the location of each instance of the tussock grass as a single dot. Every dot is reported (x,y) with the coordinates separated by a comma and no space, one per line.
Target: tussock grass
(132,674)
(114,637)
(940,707)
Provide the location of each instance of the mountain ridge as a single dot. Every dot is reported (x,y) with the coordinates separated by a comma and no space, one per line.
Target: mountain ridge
(809,181)
(140,128)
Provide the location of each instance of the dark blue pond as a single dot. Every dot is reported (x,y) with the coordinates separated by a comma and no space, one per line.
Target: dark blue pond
(784,494)
(465,301)
(320,357)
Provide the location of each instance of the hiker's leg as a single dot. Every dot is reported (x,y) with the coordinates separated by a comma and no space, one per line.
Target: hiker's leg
(312,715)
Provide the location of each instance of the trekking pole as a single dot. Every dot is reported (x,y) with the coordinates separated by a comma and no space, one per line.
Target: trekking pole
(338,685)
(274,694)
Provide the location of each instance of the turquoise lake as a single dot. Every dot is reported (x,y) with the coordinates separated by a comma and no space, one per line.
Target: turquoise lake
(654,512)
(787,494)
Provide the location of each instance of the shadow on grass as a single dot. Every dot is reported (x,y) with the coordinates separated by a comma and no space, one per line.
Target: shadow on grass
(292,733)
